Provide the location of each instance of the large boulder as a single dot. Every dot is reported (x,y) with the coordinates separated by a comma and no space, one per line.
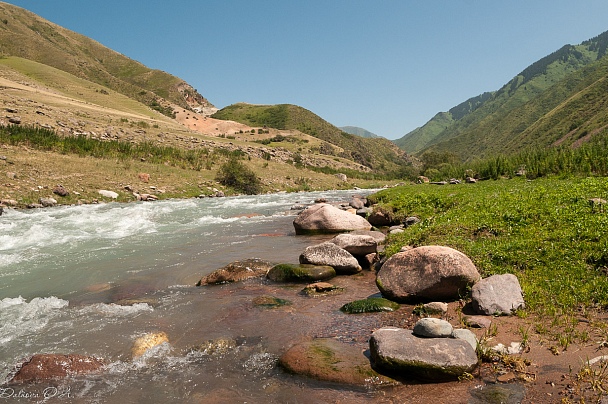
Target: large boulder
(399,351)
(427,273)
(325,218)
(497,294)
(377,235)
(356,244)
(44,367)
(332,361)
(330,254)
(237,271)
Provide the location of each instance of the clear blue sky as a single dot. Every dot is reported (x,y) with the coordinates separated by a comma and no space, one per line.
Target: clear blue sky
(387,66)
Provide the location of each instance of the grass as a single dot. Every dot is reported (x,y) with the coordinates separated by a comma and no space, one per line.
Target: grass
(543,231)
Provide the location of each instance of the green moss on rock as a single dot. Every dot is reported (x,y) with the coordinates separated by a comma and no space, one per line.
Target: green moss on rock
(370,305)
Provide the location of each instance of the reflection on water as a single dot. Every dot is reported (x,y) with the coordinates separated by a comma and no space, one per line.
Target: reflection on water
(62,270)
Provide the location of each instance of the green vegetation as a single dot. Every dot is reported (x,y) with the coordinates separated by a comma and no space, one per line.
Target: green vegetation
(238,176)
(543,231)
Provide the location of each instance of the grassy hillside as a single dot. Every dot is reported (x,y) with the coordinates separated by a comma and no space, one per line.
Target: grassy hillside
(28,36)
(354,130)
(377,154)
(498,123)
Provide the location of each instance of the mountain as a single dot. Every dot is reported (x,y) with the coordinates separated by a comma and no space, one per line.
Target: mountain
(563,87)
(354,130)
(24,34)
(378,154)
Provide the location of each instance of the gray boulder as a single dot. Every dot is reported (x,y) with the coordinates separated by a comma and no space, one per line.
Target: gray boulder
(497,294)
(325,218)
(465,335)
(330,254)
(356,244)
(399,351)
(47,202)
(432,328)
(426,273)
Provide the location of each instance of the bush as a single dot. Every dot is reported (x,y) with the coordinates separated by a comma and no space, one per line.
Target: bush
(238,176)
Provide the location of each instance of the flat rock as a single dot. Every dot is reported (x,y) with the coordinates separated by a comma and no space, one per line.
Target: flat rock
(304,273)
(325,218)
(43,367)
(237,271)
(399,351)
(427,273)
(356,244)
(497,295)
(330,254)
(477,321)
(465,335)
(332,361)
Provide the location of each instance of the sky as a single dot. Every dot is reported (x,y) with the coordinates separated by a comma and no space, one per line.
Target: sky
(387,66)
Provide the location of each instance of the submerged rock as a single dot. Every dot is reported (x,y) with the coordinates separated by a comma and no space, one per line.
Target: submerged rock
(332,361)
(145,342)
(321,289)
(43,367)
(426,273)
(304,273)
(369,305)
(399,351)
(325,218)
(270,302)
(237,271)
(216,347)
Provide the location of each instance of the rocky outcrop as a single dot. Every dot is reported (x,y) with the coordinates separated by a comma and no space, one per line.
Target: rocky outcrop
(304,273)
(497,295)
(426,273)
(44,367)
(330,254)
(237,271)
(325,218)
(399,351)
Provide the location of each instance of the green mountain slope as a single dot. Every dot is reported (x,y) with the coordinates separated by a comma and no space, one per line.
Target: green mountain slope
(354,130)
(378,154)
(26,35)
(501,123)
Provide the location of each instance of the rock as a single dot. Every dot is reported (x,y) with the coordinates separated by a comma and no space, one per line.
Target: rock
(15,120)
(145,342)
(220,194)
(423,180)
(369,305)
(270,302)
(216,347)
(11,175)
(497,295)
(377,235)
(34,206)
(321,289)
(47,202)
(454,181)
(411,220)
(332,361)
(8,202)
(342,177)
(300,273)
(357,203)
(60,190)
(364,212)
(380,218)
(297,206)
(477,321)
(108,194)
(44,367)
(144,177)
(426,273)
(400,351)
(330,254)
(432,328)
(237,271)
(471,180)
(1,210)
(368,261)
(356,244)
(396,231)
(324,218)
(432,308)
(465,335)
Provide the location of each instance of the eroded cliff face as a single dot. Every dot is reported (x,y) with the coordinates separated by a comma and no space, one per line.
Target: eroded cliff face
(195,100)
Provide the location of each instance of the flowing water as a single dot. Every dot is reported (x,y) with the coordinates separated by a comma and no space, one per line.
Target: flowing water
(62,269)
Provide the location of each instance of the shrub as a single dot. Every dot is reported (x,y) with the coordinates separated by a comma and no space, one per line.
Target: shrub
(238,176)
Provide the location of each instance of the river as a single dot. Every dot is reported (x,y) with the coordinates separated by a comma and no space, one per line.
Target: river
(62,268)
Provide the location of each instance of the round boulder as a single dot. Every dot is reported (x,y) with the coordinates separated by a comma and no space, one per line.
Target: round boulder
(325,218)
(432,328)
(426,273)
(330,254)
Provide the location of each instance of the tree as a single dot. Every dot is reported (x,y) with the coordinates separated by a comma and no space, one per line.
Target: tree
(238,176)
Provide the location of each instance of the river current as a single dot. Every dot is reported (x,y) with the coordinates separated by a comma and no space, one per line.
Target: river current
(62,270)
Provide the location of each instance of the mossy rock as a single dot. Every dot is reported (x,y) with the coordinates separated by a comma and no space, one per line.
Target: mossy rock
(270,302)
(321,289)
(300,273)
(369,305)
(216,347)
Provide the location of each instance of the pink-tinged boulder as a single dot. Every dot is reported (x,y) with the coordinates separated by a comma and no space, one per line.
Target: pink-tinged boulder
(356,244)
(325,218)
(43,367)
(330,254)
(426,274)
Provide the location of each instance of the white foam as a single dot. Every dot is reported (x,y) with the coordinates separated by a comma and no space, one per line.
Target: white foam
(21,318)
(116,310)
